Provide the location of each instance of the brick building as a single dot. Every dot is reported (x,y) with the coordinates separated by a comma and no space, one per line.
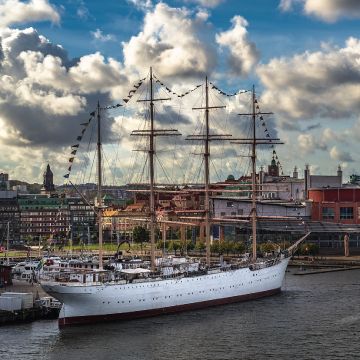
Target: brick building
(338,205)
(38,214)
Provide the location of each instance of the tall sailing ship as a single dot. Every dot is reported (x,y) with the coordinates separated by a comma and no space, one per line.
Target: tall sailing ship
(169,285)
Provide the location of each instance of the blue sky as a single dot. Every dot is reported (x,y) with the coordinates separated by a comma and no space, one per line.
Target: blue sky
(302,56)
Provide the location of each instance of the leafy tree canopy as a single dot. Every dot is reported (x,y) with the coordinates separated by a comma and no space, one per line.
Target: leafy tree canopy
(140,234)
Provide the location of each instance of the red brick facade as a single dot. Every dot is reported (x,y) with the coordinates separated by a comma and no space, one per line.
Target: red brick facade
(340,205)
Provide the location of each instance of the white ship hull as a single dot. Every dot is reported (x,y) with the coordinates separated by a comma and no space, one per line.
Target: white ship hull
(94,302)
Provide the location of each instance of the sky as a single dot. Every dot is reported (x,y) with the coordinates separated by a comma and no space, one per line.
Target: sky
(59,58)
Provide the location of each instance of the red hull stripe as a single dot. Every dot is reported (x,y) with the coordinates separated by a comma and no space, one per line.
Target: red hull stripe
(171,309)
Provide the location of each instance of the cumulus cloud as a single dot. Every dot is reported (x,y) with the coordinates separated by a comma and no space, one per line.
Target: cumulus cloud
(98,36)
(43,93)
(315,169)
(321,84)
(340,155)
(18,12)
(308,143)
(243,53)
(172,42)
(327,10)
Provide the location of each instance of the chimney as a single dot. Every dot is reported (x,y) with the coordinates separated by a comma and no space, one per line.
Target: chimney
(307,181)
(261,175)
(295,173)
(339,174)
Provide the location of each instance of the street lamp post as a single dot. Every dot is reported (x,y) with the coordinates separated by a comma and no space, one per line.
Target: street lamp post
(7,244)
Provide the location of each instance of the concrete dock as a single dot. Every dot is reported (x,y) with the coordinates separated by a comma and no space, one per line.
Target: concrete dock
(24,287)
(30,314)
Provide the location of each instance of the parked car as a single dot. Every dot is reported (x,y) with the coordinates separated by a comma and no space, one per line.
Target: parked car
(1,285)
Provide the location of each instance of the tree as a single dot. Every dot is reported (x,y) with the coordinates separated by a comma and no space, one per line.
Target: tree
(239,247)
(268,247)
(231,245)
(309,249)
(130,202)
(287,244)
(190,245)
(200,246)
(140,235)
(251,248)
(175,245)
(214,247)
(224,247)
(160,244)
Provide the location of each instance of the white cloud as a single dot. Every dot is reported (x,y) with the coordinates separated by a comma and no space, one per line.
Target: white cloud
(171,41)
(98,36)
(43,93)
(243,53)
(142,4)
(83,12)
(286,5)
(308,143)
(329,135)
(207,3)
(340,155)
(18,12)
(315,170)
(323,84)
(327,10)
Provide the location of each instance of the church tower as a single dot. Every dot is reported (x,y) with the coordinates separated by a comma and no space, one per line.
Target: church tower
(48,185)
(273,169)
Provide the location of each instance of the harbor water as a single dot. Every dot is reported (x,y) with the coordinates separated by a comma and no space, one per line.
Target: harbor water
(315,317)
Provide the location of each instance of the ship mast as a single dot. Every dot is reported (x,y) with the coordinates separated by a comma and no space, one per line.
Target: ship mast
(207,181)
(207,138)
(253,176)
(99,189)
(151,165)
(151,133)
(253,142)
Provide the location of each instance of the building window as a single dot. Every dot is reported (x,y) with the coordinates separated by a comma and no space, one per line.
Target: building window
(328,213)
(233,213)
(346,213)
(222,214)
(240,211)
(230,204)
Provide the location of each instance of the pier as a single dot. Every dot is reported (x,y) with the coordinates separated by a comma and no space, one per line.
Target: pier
(23,315)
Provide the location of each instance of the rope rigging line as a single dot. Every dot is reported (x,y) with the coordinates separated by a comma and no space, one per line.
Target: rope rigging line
(86,156)
(165,172)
